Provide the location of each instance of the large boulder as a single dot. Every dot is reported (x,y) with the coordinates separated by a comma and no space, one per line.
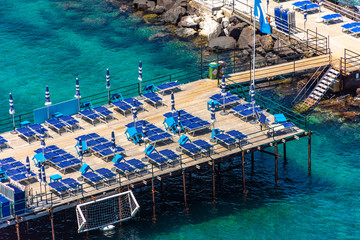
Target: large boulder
(173,16)
(246,38)
(159,9)
(166,3)
(189,21)
(222,43)
(185,32)
(267,42)
(234,20)
(210,28)
(141,5)
(235,31)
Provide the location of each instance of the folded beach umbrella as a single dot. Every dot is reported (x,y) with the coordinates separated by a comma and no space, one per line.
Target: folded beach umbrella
(27,166)
(144,131)
(77,86)
(252,96)
(80,150)
(47,100)
(305,13)
(12,110)
(212,109)
(134,110)
(140,79)
(173,110)
(43,173)
(223,94)
(42,141)
(39,175)
(108,84)
(113,144)
(179,121)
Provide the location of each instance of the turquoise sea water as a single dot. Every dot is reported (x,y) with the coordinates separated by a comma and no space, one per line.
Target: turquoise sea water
(52,42)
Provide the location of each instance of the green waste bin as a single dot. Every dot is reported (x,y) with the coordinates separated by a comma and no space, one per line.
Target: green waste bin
(213,70)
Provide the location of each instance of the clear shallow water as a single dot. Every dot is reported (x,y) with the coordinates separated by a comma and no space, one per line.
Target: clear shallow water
(52,42)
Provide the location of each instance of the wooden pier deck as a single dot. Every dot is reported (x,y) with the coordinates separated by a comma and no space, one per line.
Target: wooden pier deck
(193,98)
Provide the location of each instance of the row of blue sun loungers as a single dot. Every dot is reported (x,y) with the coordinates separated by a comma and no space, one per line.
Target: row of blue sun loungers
(126,105)
(154,134)
(162,159)
(231,138)
(332,18)
(229,99)
(15,170)
(189,122)
(196,149)
(153,99)
(56,157)
(131,168)
(65,187)
(3,143)
(98,145)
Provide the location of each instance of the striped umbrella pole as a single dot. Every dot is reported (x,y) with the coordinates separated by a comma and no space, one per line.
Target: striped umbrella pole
(12,112)
(223,94)
(113,144)
(140,80)
(27,166)
(77,93)
(44,179)
(40,180)
(47,100)
(144,132)
(179,122)
(252,97)
(134,109)
(80,150)
(173,110)
(108,84)
(213,119)
(305,16)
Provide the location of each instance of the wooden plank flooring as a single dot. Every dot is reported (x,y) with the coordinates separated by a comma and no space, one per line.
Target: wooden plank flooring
(192,98)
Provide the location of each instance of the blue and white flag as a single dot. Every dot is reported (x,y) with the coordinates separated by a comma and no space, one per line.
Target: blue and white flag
(260,13)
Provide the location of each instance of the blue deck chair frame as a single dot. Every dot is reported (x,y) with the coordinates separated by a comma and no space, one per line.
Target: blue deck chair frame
(133,135)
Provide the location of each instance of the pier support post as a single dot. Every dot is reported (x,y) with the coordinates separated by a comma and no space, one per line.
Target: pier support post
(120,208)
(213,180)
(309,150)
(276,163)
(153,192)
(252,163)
(52,223)
(17,227)
(285,151)
(184,187)
(243,172)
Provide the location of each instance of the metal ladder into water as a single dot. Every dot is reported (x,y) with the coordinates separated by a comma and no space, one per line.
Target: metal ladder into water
(323,85)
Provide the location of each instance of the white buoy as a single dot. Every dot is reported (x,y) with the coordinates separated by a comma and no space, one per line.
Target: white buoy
(108,227)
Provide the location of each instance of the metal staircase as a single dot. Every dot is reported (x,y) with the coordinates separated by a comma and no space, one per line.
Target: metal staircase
(323,85)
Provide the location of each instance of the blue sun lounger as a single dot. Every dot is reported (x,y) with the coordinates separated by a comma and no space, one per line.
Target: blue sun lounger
(348,26)
(296,5)
(125,169)
(73,185)
(26,133)
(107,175)
(133,102)
(154,99)
(159,160)
(104,113)
(189,148)
(162,88)
(71,122)
(309,7)
(90,116)
(122,107)
(39,129)
(229,99)
(332,17)
(140,167)
(355,30)
(206,147)
(90,177)
(56,125)
(3,143)
(226,139)
(59,188)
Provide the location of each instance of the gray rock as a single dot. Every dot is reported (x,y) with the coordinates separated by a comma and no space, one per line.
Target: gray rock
(234,20)
(246,38)
(140,5)
(185,32)
(188,21)
(267,42)
(150,4)
(260,61)
(159,9)
(235,31)
(166,3)
(173,15)
(222,43)
(210,28)
(260,50)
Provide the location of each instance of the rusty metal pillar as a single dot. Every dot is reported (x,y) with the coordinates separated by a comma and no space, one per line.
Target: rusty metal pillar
(276,162)
(17,227)
(52,223)
(213,180)
(309,149)
(184,187)
(284,151)
(243,171)
(153,193)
